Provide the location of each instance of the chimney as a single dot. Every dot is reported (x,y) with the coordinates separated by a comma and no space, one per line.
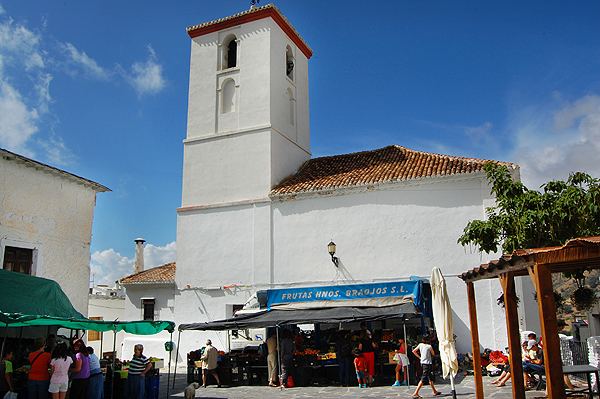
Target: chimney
(139,255)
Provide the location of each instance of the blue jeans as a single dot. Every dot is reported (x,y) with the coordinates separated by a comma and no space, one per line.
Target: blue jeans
(345,370)
(533,368)
(38,389)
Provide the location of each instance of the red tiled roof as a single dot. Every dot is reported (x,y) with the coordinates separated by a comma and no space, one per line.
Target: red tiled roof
(388,164)
(164,274)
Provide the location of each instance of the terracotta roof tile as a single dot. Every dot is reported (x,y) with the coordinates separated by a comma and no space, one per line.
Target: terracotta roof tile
(388,164)
(164,274)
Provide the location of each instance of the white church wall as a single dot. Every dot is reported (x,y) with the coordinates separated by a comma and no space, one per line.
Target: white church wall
(206,181)
(386,235)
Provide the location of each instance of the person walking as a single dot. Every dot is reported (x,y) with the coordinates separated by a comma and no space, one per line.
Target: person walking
(425,353)
(210,359)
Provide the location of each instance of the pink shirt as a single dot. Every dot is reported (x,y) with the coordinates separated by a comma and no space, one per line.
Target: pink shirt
(61,370)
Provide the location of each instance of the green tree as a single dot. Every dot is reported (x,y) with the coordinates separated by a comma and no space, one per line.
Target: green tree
(524,218)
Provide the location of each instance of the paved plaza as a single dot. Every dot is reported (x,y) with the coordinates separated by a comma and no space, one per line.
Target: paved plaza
(465,388)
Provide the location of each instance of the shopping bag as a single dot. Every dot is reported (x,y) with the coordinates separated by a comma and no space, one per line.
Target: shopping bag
(290,382)
(396,357)
(10,395)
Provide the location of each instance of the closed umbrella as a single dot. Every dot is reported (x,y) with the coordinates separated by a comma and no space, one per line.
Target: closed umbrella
(442,316)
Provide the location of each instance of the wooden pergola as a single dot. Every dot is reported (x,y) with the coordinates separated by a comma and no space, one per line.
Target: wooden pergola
(539,263)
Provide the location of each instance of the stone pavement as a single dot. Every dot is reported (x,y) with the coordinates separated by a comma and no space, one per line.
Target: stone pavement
(465,388)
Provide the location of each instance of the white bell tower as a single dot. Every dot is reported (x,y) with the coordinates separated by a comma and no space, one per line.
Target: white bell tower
(248,116)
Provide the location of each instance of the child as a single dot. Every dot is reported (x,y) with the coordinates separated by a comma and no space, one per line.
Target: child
(60,363)
(402,364)
(6,369)
(360,365)
(425,352)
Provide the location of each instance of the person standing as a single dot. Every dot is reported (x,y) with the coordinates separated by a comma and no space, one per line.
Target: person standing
(210,359)
(402,364)
(60,363)
(95,389)
(135,386)
(39,378)
(272,358)
(343,348)
(360,366)
(6,370)
(80,374)
(367,347)
(287,357)
(425,352)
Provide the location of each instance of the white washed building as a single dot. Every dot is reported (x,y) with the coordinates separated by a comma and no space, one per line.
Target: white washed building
(46,223)
(257,212)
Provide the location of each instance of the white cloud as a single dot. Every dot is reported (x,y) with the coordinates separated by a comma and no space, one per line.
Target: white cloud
(479,133)
(89,66)
(553,142)
(18,122)
(147,77)
(109,266)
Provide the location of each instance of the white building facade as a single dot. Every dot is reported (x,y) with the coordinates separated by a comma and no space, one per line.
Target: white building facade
(258,213)
(46,223)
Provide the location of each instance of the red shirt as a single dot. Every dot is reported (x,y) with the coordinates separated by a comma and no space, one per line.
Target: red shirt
(39,370)
(360,363)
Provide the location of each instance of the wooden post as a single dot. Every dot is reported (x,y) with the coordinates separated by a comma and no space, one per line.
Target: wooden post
(512,328)
(550,340)
(475,341)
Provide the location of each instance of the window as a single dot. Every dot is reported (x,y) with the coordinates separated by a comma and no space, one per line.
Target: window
(148,309)
(94,335)
(289,63)
(18,259)
(229,52)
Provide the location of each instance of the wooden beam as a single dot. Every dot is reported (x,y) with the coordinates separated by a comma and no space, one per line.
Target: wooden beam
(552,359)
(512,328)
(475,341)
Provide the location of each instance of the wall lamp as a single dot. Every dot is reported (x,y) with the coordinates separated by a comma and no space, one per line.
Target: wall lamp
(331,249)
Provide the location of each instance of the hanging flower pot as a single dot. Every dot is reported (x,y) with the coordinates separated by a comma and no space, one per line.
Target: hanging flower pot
(584,298)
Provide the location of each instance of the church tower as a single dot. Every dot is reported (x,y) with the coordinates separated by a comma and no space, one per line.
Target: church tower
(248,115)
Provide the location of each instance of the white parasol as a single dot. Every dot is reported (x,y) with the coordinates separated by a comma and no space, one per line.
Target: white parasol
(442,316)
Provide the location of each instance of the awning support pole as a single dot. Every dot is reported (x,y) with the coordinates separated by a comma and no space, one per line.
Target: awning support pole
(279,356)
(177,357)
(507,280)
(114,358)
(5,336)
(407,370)
(169,375)
(475,341)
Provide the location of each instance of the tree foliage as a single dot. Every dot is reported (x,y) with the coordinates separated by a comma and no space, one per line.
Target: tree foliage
(524,218)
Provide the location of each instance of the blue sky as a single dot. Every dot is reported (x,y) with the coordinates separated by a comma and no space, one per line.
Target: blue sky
(99,89)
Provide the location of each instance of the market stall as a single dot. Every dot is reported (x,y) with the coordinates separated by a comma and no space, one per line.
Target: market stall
(329,309)
(34,301)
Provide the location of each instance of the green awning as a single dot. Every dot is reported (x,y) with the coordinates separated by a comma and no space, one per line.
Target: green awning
(35,301)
